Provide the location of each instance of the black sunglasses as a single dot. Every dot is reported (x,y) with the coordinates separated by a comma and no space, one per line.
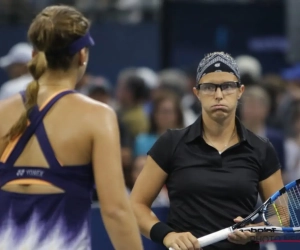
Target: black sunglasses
(223,86)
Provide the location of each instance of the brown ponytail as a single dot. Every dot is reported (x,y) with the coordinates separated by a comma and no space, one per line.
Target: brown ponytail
(37,67)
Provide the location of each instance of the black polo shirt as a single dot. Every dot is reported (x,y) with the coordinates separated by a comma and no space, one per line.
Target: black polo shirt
(207,190)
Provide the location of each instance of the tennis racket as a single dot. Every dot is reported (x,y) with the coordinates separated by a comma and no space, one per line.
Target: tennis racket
(280,213)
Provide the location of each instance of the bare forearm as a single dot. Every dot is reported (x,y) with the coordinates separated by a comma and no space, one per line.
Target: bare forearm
(123,230)
(145,217)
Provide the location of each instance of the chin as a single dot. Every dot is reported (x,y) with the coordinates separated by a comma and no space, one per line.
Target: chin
(218,115)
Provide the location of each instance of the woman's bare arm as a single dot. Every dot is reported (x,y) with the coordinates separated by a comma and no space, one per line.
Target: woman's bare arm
(116,211)
(146,188)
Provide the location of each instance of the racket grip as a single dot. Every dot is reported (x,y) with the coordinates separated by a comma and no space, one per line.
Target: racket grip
(213,238)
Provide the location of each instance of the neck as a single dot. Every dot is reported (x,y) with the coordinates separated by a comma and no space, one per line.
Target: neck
(58,80)
(218,130)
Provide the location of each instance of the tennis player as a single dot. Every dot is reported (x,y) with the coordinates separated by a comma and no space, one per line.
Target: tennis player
(213,169)
(54,143)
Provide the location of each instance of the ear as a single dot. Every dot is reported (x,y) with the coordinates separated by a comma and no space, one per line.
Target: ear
(196,92)
(241,91)
(82,57)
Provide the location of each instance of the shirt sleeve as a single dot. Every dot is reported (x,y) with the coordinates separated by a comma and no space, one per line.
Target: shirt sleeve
(161,151)
(271,162)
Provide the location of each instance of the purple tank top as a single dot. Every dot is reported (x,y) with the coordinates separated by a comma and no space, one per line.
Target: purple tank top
(45,221)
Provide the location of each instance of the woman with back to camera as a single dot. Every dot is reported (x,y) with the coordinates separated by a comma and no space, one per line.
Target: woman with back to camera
(213,169)
(54,142)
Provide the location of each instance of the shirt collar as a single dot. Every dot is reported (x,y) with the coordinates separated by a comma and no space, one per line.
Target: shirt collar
(195,131)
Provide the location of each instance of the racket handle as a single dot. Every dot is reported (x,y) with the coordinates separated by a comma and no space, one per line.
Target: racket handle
(213,238)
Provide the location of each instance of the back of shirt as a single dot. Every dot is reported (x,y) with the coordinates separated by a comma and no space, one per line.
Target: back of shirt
(47,202)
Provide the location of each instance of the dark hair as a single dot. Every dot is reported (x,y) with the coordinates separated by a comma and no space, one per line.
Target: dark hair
(156,104)
(137,86)
(51,32)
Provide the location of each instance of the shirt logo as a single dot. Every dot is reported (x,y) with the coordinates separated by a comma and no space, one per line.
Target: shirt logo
(20,172)
(30,172)
(37,173)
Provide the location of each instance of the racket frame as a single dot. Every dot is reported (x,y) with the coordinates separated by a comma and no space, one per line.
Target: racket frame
(223,233)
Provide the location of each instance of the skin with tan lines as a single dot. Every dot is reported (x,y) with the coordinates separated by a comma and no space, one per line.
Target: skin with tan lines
(218,112)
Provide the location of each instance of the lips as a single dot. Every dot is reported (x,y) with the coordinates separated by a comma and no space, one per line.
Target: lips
(218,106)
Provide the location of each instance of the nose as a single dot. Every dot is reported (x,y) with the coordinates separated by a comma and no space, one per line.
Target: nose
(218,94)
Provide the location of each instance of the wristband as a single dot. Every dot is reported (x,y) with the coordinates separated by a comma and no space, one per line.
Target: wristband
(159,231)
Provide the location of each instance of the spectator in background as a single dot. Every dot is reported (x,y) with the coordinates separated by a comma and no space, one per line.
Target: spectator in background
(99,88)
(15,64)
(176,81)
(291,76)
(276,88)
(250,69)
(123,76)
(162,200)
(151,80)
(255,108)
(292,146)
(131,93)
(166,114)
(190,100)
(250,72)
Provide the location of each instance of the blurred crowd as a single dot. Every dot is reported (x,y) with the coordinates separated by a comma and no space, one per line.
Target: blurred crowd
(148,103)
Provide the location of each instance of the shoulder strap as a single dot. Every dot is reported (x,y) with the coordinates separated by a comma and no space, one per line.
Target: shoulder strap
(36,117)
(45,144)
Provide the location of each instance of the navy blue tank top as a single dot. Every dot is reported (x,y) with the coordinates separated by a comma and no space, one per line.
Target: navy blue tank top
(45,221)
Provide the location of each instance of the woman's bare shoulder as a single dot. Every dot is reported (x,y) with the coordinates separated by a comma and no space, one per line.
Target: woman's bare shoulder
(10,105)
(96,111)
(95,106)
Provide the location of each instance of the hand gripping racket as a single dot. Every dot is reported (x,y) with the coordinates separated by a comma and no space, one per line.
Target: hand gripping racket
(280,213)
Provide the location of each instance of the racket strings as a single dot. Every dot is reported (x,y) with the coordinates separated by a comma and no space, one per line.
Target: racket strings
(285,211)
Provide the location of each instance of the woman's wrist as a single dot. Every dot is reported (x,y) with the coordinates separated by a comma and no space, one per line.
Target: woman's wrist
(159,231)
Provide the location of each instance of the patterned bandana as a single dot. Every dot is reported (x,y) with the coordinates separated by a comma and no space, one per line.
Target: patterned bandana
(217,62)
